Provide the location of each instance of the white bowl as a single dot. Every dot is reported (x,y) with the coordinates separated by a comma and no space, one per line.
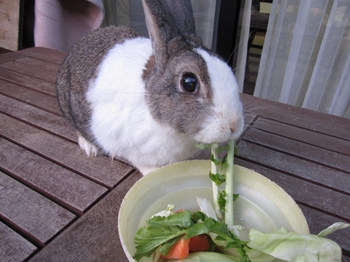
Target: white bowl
(262,204)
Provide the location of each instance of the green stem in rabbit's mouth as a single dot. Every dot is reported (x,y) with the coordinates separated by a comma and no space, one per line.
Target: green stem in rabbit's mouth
(229,205)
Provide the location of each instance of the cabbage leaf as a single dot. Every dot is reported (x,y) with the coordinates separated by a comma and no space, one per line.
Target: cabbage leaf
(290,246)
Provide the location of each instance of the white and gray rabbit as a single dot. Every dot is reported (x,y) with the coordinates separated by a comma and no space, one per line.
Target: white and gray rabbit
(149,101)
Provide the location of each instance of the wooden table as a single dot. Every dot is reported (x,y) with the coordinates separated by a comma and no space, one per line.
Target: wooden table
(58,205)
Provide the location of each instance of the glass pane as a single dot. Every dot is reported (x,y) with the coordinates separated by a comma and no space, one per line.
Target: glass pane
(130,13)
(299,53)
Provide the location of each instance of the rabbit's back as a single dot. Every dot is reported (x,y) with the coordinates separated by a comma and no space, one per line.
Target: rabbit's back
(80,67)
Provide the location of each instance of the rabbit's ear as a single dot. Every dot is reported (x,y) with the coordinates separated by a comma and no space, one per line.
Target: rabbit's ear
(161,28)
(183,15)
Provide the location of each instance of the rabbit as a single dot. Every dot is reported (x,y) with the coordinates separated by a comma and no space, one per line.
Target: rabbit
(149,101)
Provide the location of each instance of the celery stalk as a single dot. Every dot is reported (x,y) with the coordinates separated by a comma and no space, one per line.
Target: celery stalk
(229,210)
(214,170)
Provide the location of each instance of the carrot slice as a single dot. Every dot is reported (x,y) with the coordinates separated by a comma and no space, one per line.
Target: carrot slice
(179,250)
(199,243)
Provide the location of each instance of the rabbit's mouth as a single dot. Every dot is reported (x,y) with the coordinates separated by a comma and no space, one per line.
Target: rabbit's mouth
(218,129)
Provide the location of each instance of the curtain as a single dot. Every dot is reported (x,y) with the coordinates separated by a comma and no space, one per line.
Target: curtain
(204,17)
(306,55)
(242,48)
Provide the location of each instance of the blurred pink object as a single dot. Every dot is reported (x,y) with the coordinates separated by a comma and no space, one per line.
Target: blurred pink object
(60,23)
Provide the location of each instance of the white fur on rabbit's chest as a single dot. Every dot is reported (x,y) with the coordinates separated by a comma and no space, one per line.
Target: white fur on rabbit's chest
(121,122)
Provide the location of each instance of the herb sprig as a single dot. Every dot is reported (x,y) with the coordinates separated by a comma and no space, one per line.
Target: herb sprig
(165,231)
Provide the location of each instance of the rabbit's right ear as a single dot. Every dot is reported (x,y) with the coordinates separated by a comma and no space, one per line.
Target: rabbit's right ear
(183,15)
(161,28)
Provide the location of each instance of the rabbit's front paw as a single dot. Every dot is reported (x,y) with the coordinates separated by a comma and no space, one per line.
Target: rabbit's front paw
(89,149)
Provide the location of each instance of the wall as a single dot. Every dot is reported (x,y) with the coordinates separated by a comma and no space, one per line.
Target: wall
(9,24)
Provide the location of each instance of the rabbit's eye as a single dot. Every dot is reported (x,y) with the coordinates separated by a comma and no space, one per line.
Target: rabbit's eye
(189,82)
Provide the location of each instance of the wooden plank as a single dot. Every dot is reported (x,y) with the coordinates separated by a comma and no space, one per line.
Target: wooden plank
(304,135)
(21,79)
(31,71)
(13,247)
(40,64)
(295,166)
(38,118)
(305,192)
(61,185)
(93,237)
(301,149)
(99,169)
(312,120)
(34,215)
(11,56)
(31,97)
(46,54)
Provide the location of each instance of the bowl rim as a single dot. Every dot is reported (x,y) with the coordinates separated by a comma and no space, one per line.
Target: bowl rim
(286,197)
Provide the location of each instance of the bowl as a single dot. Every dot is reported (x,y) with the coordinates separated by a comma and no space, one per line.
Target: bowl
(261,204)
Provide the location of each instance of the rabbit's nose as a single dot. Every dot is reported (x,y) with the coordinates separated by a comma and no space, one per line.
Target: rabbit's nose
(233,127)
(236,127)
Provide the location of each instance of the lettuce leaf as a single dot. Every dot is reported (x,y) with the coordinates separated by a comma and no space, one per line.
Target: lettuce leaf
(332,228)
(293,247)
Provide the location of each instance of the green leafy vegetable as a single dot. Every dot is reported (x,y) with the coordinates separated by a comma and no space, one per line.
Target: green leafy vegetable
(149,238)
(218,162)
(217,178)
(180,219)
(234,197)
(164,231)
(290,246)
(332,228)
(222,200)
(161,231)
